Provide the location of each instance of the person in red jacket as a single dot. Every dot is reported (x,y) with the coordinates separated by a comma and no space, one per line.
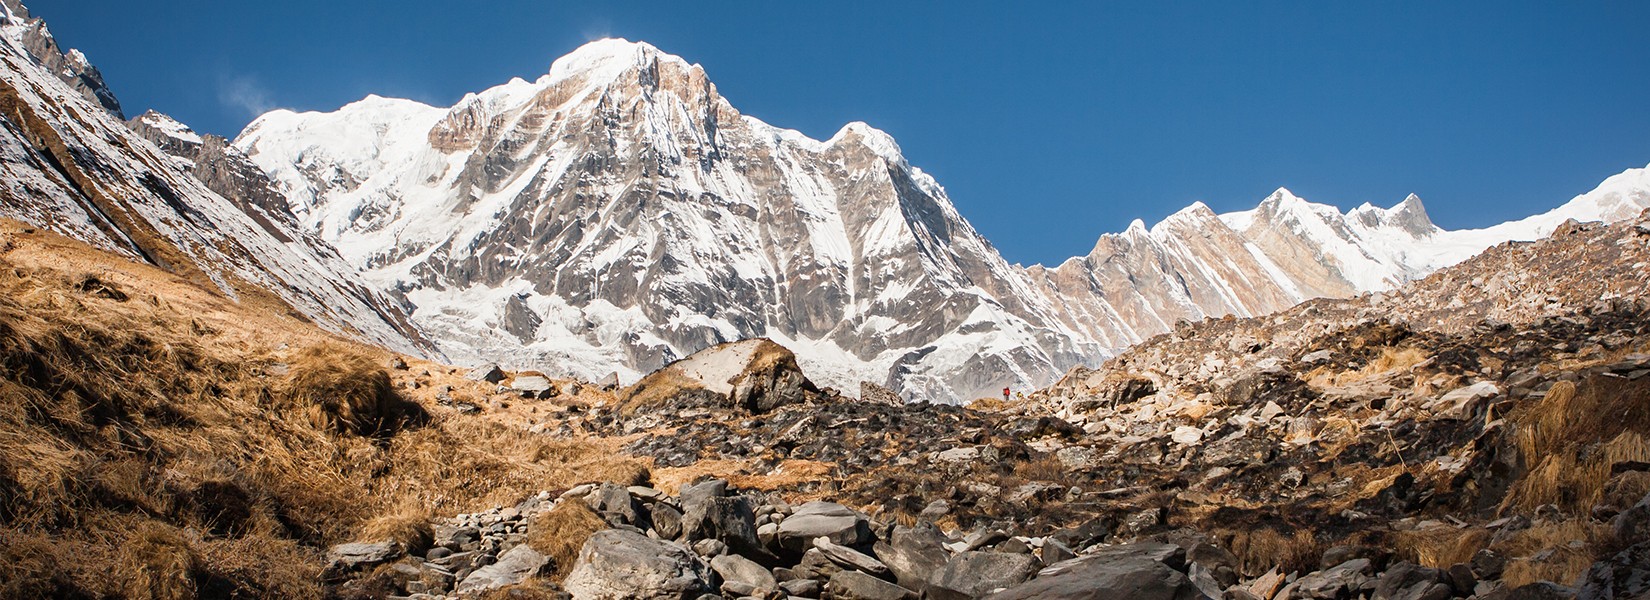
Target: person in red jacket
(1005,394)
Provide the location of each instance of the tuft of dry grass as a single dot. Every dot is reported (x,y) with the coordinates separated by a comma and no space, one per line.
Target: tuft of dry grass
(1048,469)
(1261,548)
(1440,547)
(408,525)
(157,563)
(560,533)
(344,390)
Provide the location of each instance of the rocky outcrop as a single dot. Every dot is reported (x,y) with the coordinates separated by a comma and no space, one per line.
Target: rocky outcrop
(71,67)
(755,375)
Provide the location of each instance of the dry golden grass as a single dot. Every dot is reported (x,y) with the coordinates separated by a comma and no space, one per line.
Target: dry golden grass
(157,563)
(1571,438)
(407,525)
(1390,360)
(532,589)
(1048,468)
(789,473)
(1440,547)
(344,390)
(1567,562)
(991,404)
(176,444)
(1261,548)
(560,533)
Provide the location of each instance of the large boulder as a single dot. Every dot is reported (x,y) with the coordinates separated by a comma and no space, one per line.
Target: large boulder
(513,567)
(970,575)
(616,564)
(840,524)
(854,585)
(756,375)
(1136,571)
(913,554)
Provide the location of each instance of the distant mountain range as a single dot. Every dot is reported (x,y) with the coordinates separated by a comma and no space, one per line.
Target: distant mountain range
(618,214)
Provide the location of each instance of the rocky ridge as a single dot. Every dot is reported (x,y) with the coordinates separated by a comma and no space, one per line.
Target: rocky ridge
(68,163)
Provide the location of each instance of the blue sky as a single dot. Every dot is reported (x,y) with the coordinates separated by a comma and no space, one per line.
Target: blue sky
(1048,123)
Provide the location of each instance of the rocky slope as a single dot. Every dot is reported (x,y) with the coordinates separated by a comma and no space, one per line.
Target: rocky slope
(69,164)
(618,213)
(1480,433)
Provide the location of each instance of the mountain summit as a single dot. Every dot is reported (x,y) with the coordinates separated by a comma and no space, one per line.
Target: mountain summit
(618,213)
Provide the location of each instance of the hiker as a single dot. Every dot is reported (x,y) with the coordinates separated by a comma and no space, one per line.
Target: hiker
(1005,394)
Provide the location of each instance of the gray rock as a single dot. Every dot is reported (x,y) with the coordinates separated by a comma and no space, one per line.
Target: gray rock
(531,386)
(667,521)
(360,555)
(1488,564)
(1406,581)
(983,538)
(1543,590)
(1054,551)
(733,567)
(514,566)
(1339,581)
(613,502)
(1625,575)
(1204,580)
(1461,578)
(707,513)
(1633,524)
(1169,554)
(853,585)
(1340,554)
(1121,575)
(1212,556)
(805,588)
(971,575)
(823,519)
(489,373)
(849,557)
(913,554)
(616,564)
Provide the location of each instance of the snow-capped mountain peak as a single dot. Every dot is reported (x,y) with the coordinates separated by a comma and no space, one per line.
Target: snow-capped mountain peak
(618,213)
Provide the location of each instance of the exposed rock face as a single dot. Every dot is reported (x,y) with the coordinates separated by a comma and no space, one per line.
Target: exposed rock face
(620,211)
(223,168)
(71,67)
(67,163)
